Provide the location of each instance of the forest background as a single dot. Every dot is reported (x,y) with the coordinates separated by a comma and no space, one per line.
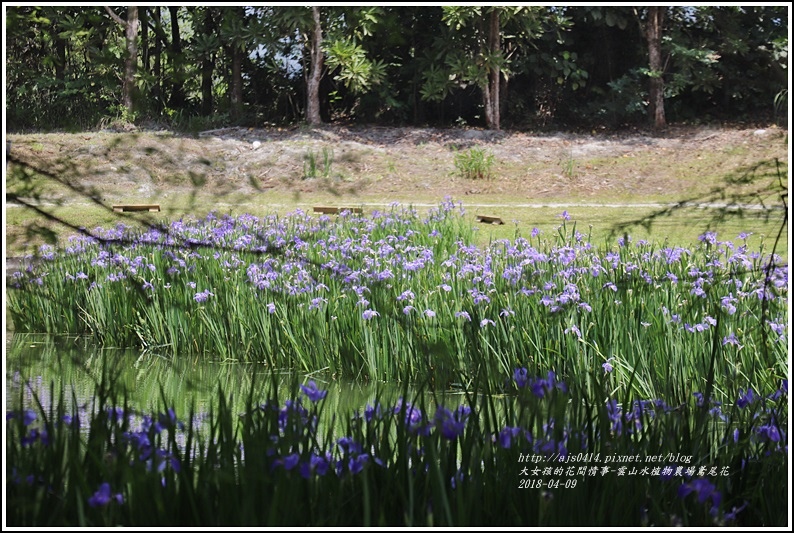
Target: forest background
(194,68)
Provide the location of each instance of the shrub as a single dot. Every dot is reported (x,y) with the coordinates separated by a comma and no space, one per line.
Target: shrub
(312,168)
(477,163)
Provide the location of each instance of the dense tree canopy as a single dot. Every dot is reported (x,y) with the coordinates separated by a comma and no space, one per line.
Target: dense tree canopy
(198,67)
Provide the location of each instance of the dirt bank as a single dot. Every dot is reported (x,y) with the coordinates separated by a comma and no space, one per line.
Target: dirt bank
(380,162)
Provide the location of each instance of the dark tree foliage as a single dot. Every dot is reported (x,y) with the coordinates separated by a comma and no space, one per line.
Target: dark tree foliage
(198,67)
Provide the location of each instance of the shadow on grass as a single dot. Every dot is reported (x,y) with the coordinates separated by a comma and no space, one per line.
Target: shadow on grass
(758,188)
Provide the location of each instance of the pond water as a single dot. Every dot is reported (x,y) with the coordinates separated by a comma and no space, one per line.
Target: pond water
(40,365)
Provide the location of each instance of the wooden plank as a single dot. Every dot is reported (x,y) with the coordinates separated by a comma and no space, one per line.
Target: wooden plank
(487,219)
(327,210)
(219,130)
(136,207)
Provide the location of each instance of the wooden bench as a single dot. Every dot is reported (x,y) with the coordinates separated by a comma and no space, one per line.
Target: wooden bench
(136,207)
(336,210)
(485,219)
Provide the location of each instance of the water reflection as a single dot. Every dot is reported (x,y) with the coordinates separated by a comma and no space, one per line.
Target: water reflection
(41,364)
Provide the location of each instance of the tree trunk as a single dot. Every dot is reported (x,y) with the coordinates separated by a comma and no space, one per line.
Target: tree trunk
(131,61)
(315,71)
(207,67)
(177,100)
(157,69)
(504,97)
(491,90)
(60,58)
(496,74)
(653,35)
(415,80)
(237,49)
(144,18)
(237,83)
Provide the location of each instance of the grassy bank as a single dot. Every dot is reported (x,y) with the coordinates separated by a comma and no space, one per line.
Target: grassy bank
(664,223)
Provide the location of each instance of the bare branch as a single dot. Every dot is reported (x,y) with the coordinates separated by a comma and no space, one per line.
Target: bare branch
(115,17)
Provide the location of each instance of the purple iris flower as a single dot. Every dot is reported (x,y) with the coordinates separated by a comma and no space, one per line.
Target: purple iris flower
(291,461)
(700,400)
(34,435)
(312,392)
(507,435)
(745,399)
(320,463)
(356,464)
(463,314)
(782,390)
(769,432)
(369,314)
(541,386)
(730,339)
(28,417)
(731,516)
(520,377)
(451,425)
(202,297)
(348,445)
(103,496)
(704,489)
(371,412)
